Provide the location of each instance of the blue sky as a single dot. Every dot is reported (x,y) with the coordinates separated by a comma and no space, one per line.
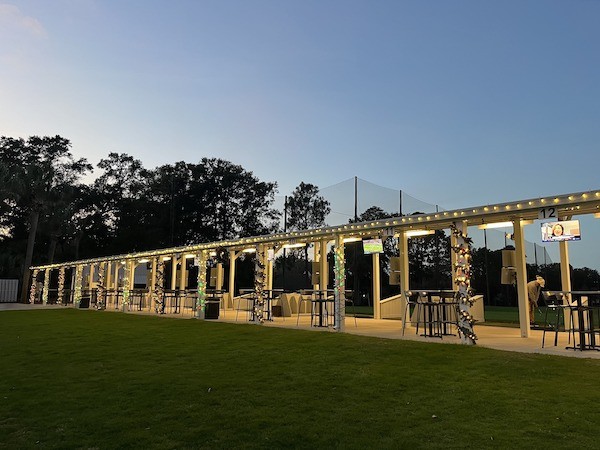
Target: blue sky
(459,103)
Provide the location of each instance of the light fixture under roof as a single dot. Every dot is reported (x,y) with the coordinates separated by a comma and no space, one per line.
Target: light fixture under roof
(414,233)
(249,250)
(298,245)
(352,239)
(485,226)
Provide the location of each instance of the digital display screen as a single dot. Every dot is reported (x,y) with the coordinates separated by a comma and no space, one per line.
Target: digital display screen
(372,246)
(565,230)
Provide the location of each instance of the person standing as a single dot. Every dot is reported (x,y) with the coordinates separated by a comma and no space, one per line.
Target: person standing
(534,288)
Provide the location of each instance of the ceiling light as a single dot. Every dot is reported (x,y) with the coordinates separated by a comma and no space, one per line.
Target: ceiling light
(495,225)
(413,233)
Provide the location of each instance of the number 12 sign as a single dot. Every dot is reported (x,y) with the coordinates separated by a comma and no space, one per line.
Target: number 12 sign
(547,213)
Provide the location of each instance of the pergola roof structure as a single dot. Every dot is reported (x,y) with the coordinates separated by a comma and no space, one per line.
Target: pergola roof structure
(520,213)
(565,205)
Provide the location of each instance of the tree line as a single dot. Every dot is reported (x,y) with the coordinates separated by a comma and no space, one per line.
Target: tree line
(48,213)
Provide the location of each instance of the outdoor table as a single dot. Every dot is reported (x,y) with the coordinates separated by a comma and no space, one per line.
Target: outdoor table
(320,301)
(268,297)
(586,315)
(435,314)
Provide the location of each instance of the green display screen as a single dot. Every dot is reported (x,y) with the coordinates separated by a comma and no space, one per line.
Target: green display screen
(372,246)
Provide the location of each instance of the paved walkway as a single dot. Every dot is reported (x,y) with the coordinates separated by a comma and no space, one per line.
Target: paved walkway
(500,338)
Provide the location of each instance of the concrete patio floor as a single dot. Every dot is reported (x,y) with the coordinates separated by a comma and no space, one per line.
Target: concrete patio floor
(499,338)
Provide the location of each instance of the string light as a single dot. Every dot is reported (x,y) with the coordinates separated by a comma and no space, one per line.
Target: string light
(201,300)
(46,286)
(159,289)
(61,285)
(259,286)
(462,281)
(126,290)
(339,273)
(101,291)
(33,290)
(78,282)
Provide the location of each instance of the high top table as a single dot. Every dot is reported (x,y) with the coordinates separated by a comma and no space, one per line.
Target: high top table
(586,315)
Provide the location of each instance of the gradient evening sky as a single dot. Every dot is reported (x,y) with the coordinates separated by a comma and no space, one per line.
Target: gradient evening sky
(458,103)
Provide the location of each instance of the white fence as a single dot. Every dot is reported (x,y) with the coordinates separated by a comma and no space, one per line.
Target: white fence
(8,291)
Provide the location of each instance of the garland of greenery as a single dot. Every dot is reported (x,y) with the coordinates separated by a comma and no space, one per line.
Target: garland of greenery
(339,271)
(46,286)
(33,290)
(126,290)
(462,281)
(78,283)
(61,285)
(259,286)
(101,290)
(159,288)
(201,278)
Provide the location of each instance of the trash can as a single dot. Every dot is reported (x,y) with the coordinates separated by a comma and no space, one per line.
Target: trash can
(211,310)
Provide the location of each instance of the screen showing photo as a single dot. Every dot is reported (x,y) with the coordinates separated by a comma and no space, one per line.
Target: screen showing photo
(372,246)
(565,230)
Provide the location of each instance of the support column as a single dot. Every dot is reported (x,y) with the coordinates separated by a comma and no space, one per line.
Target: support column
(90,283)
(404,273)
(108,283)
(116,280)
(521,266)
(46,287)
(61,285)
(316,257)
(100,288)
(152,287)
(463,283)
(78,283)
(132,268)
(183,278)
(127,280)
(159,286)
(33,288)
(339,270)
(174,272)
(232,257)
(376,287)
(565,266)
(565,277)
(259,285)
(324,267)
(269,265)
(453,257)
(220,274)
(201,300)
(91,276)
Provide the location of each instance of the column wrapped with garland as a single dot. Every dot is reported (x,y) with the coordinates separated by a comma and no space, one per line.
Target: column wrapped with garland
(61,286)
(201,300)
(339,273)
(46,286)
(258,315)
(78,285)
(159,288)
(33,289)
(126,288)
(100,288)
(462,282)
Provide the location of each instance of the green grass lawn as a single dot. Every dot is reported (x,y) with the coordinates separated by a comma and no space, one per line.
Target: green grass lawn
(89,379)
